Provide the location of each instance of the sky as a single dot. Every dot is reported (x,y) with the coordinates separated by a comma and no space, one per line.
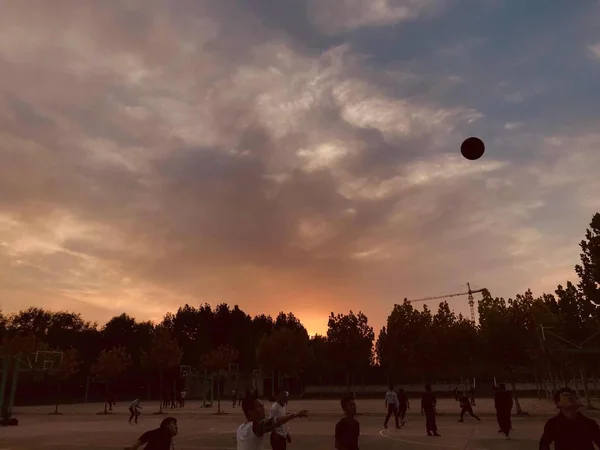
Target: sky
(299,155)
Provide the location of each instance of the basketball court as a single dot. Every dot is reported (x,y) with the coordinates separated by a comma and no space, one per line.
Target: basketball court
(200,429)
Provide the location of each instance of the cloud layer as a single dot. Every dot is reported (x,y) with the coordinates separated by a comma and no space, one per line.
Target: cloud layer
(302,157)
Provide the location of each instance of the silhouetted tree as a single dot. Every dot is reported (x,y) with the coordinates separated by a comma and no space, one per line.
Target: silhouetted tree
(163,356)
(109,365)
(217,361)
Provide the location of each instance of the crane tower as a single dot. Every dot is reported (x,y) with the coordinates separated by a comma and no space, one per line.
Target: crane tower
(470,298)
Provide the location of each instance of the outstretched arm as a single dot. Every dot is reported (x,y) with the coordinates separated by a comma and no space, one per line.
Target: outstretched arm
(135,446)
(285,419)
(266,426)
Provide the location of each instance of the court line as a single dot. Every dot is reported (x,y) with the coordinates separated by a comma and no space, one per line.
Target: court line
(126,445)
(382,433)
(208,433)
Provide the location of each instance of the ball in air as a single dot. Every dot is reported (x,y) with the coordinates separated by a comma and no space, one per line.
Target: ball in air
(472,148)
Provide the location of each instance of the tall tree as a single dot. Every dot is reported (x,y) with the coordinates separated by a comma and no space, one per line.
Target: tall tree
(109,365)
(396,344)
(284,352)
(319,356)
(65,328)
(290,322)
(508,332)
(33,321)
(578,324)
(442,331)
(576,312)
(589,269)
(163,356)
(19,345)
(351,338)
(125,330)
(192,327)
(67,367)
(217,361)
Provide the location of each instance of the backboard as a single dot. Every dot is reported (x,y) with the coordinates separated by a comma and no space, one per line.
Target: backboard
(185,371)
(47,360)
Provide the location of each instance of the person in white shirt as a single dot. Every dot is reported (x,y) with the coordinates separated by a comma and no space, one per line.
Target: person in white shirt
(182,395)
(392,404)
(250,434)
(280,436)
(134,409)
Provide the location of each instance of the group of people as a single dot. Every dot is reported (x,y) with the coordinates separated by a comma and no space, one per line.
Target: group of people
(569,430)
(250,434)
(397,403)
(135,409)
(172,402)
(236,397)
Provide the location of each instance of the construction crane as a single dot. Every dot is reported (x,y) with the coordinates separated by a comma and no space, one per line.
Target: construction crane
(470,293)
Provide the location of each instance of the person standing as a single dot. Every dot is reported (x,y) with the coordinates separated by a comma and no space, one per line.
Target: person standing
(428,405)
(110,399)
(347,430)
(134,409)
(392,405)
(503,403)
(159,439)
(465,407)
(182,395)
(165,402)
(472,392)
(250,434)
(404,404)
(280,436)
(570,429)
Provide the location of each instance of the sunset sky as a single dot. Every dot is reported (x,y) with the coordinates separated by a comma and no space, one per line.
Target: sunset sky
(297,155)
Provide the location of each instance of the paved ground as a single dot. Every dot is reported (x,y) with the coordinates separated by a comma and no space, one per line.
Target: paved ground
(201,429)
(319,407)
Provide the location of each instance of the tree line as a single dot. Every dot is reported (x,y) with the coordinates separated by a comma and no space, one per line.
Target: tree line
(548,337)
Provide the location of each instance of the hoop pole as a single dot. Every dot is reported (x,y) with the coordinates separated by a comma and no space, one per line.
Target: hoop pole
(13,389)
(5,369)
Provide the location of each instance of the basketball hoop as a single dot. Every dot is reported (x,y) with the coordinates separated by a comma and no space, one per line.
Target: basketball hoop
(185,371)
(47,361)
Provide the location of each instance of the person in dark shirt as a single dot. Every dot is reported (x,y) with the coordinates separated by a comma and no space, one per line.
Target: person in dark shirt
(158,439)
(428,404)
(404,405)
(465,407)
(503,402)
(347,429)
(472,393)
(569,430)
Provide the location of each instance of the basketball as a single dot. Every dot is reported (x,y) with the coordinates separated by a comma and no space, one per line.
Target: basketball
(472,148)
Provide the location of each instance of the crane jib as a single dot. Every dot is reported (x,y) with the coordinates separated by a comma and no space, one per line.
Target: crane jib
(470,293)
